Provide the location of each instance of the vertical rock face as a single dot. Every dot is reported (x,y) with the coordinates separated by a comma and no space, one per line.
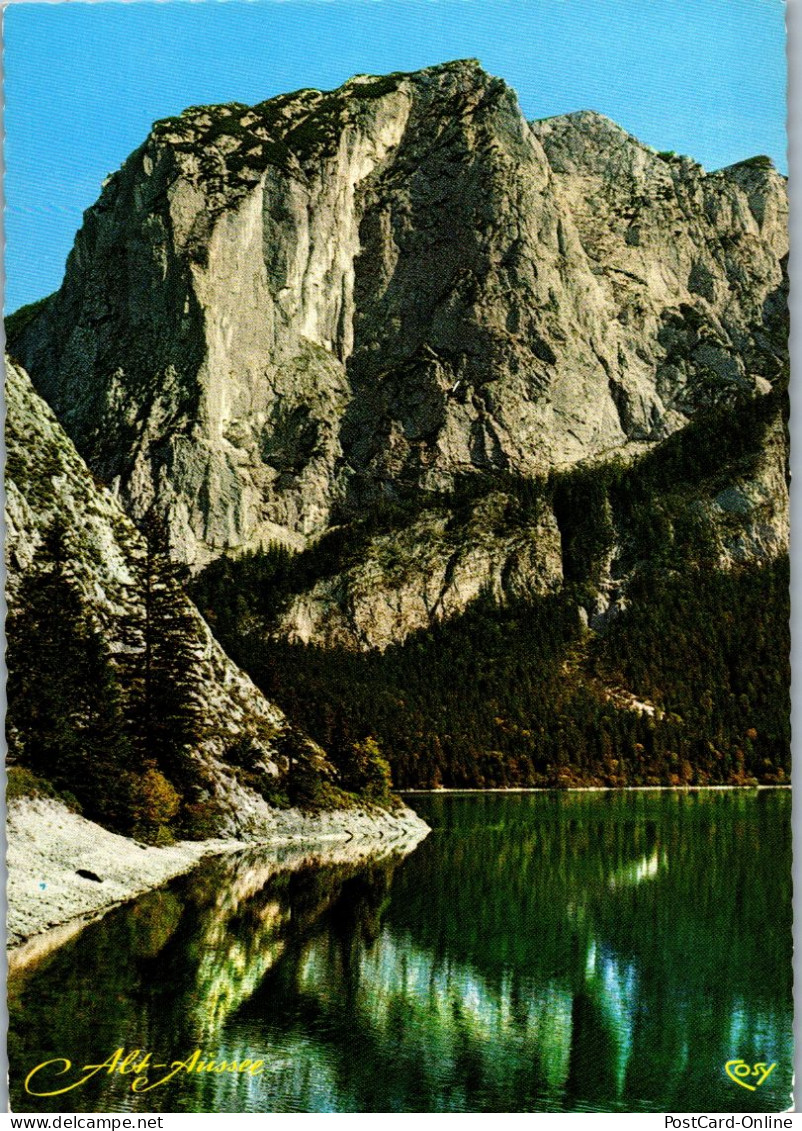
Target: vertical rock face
(275,315)
(429,570)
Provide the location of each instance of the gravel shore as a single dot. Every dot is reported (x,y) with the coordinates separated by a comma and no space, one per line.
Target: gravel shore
(63,869)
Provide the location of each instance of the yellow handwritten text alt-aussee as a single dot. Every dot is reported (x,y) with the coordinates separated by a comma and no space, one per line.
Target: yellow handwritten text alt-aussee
(137,1064)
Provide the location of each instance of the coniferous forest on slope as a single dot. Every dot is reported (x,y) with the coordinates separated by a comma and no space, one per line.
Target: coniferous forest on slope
(113,733)
(110,732)
(644,638)
(516,695)
(689,684)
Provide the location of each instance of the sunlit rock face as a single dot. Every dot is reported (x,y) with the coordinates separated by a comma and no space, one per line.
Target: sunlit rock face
(429,570)
(275,315)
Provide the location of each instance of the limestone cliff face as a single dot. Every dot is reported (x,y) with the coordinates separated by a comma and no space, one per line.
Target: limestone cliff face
(275,315)
(750,516)
(430,570)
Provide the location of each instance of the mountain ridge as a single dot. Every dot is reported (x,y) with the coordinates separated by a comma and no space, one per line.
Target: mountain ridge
(402,374)
(417,285)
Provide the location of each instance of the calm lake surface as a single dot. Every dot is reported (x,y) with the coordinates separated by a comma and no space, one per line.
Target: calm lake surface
(538,952)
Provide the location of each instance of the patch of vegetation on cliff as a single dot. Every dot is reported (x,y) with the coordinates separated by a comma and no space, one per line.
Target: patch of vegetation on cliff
(759,161)
(22,782)
(378,87)
(318,131)
(16,323)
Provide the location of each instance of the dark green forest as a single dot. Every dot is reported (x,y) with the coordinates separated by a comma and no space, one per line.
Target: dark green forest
(687,684)
(110,731)
(522,693)
(515,694)
(115,731)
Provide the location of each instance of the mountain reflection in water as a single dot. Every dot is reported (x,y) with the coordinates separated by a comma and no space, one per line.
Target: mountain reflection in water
(536,952)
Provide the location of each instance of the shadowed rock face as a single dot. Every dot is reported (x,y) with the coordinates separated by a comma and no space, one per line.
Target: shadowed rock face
(275,315)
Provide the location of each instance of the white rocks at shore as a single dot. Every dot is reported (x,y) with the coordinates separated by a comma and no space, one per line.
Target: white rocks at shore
(48,845)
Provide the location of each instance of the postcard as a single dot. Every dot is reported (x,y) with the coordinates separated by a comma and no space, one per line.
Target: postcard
(397,562)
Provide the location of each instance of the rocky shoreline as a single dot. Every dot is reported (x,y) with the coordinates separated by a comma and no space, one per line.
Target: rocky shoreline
(64,870)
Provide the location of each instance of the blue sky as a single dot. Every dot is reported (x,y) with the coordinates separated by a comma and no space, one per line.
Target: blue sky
(84,82)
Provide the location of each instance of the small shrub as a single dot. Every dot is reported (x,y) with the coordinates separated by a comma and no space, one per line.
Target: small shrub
(201,820)
(367,772)
(244,753)
(154,805)
(22,782)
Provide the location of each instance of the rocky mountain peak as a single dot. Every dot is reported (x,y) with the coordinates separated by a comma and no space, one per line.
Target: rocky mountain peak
(277,316)
(528,379)
(226,148)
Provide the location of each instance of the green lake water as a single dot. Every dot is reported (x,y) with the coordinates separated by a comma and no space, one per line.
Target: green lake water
(537,952)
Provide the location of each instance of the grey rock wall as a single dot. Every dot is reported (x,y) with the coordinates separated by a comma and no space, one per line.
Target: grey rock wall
(276,315)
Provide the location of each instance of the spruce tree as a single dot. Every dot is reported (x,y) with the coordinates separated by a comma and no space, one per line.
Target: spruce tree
(65,712)
(173,711)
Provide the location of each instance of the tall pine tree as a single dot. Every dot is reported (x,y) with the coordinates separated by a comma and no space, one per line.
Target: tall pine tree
(65,704)
(172,709)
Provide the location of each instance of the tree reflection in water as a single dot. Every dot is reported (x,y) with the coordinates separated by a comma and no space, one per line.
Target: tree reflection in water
(537,952)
